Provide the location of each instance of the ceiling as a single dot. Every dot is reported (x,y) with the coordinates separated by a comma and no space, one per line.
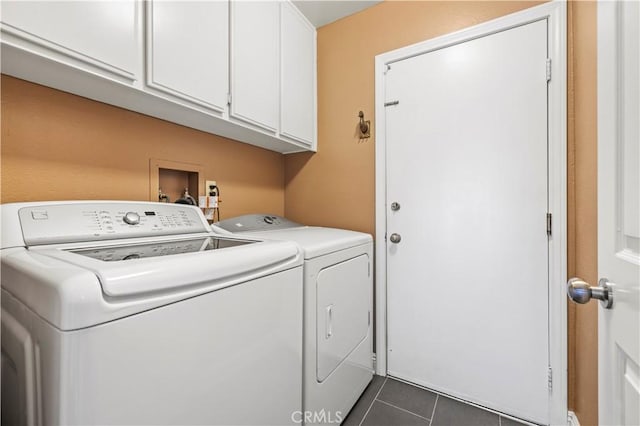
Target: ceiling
(322,12)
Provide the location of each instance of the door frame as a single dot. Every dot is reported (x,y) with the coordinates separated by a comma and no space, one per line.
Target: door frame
(556,14)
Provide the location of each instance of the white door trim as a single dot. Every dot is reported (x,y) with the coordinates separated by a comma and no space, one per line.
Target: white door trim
(556,14)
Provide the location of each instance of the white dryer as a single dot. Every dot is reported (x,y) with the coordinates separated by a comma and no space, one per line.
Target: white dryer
(136,313)
(338,306)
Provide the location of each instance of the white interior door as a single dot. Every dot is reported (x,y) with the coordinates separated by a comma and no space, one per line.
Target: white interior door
(467,244)
(619,210)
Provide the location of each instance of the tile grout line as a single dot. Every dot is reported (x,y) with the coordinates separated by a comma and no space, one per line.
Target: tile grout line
(372,401)
(433,412)
(465,402)
(402,409)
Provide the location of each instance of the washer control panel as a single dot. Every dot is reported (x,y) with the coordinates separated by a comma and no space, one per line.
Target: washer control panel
(78,222)
(256,222)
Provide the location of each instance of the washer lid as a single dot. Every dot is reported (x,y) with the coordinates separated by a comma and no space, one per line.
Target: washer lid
(160,266)
(316,241)
(119,253)
(72,290)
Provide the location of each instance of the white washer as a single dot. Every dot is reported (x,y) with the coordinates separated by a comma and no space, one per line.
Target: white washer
(338,299)
(136,313)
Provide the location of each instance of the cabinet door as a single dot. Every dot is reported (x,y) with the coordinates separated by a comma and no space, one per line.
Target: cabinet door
(255,58)
(101,34)
(188,50)
(298,76)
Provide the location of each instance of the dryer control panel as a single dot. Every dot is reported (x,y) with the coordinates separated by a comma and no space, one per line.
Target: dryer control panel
(256,222)
(79,222)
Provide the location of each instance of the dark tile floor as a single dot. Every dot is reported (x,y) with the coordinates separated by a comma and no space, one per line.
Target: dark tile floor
(388,402)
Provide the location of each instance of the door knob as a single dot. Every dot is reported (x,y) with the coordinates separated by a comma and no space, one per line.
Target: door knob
(581,292)
(395,206)
(395,238)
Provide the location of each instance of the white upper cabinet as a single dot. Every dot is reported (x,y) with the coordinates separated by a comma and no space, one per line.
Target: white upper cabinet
(103,36)
(298,76)
(244,70)
(188,51)
(255,65)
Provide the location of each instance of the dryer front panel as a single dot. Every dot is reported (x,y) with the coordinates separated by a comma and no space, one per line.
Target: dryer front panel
(343,317)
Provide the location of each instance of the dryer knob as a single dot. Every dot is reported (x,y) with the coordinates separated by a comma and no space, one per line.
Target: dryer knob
(132,218)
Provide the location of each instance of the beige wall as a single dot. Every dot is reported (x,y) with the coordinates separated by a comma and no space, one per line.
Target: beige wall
(60,146)
(335,187)
(583,221)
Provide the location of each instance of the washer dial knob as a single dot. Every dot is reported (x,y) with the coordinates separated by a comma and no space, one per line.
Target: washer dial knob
(132,218)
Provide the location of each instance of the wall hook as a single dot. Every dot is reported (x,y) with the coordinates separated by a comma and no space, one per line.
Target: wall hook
(364,127)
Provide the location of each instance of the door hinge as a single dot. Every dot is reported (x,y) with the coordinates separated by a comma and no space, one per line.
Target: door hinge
(392,103)
(228,98)
(548,70)
(368,317)
(549,223)
(550,379)
(369,269)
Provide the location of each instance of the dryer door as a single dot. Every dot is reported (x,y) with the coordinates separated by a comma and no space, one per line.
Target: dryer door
(343,318)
